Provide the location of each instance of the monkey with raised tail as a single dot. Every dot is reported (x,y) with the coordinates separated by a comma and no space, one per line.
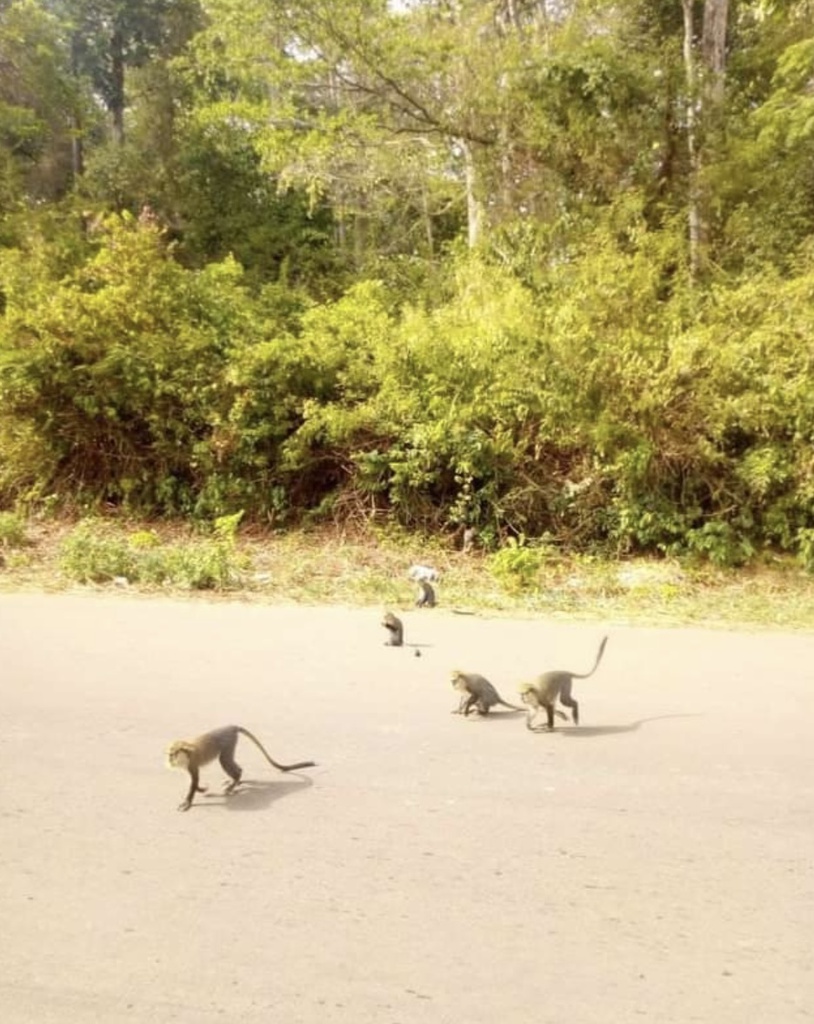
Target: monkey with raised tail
(545,690)
(192,755)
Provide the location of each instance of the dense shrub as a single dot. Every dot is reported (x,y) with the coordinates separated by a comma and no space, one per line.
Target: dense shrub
(612,406)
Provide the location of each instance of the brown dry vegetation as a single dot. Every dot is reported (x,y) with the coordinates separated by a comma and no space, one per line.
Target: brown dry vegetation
(334,566)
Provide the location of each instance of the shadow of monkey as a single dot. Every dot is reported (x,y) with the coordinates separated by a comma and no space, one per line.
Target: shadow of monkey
(615,730)
(255,794)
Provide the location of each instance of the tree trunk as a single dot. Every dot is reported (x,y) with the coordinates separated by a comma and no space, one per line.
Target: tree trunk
(694,217)
(713,49)
(705,95)
(474,209)
(77,145)
(117,89)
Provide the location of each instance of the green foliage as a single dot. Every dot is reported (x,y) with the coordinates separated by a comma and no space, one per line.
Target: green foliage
(116,377)
(517,565)
(409,422)
(805,543)
(720,543)
(605,408)
(38,104)
(12,530)
(300,325)
(232,206)
(94,553)
(90,556)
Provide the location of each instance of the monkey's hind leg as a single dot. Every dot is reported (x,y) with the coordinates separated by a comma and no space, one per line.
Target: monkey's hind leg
(232,769)
(569,702)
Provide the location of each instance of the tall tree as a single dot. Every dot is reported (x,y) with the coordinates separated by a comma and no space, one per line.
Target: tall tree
(377,108)
(108,37)
(37,101)
(705,65)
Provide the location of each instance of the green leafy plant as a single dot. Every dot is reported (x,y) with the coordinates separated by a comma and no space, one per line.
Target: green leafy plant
(97,553)
(12,530)
(517,565)
(805,549)
(91,554)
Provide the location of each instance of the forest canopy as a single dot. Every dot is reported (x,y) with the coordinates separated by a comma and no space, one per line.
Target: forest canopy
(544,269)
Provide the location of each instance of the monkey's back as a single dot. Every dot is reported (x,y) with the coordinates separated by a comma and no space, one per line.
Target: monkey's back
(209,744)
(480,687)
(549,684)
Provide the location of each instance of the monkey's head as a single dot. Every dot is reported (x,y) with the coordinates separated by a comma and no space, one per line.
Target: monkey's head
(528,694)
(178,755)
(458,680)
(389,620)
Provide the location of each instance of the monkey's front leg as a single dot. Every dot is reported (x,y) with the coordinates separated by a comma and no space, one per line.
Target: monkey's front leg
(530,716)
(193,789)
(470,703)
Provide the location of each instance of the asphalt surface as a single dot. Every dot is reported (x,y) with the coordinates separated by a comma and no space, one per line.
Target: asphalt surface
(656,863)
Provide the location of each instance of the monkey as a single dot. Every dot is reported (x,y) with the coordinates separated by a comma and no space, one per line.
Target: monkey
(468,542)
(478,693)
(545,690)
(423,572)
(426,595)
(393,624)
(219,743)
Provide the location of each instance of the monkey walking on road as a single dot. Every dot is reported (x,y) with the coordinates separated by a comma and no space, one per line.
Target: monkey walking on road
(545,690)
(478,693)
(192,755)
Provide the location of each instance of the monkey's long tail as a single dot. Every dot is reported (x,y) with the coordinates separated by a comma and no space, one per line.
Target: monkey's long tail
(270,759)
(599,654)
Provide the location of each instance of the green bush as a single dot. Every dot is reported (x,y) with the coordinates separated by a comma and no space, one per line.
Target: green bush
(517,565)
(610,408)
(116,380)
(91,554)
(95,552)
(12,530)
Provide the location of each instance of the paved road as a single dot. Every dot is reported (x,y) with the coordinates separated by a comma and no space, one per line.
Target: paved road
(654,864)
